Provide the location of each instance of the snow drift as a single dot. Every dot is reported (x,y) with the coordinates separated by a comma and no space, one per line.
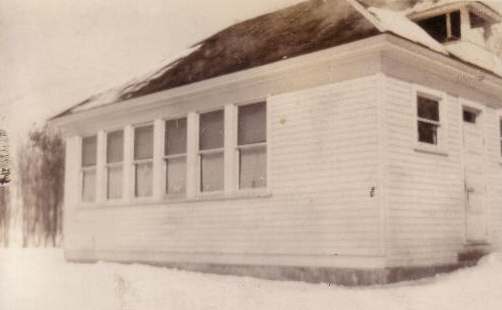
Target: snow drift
(40,279)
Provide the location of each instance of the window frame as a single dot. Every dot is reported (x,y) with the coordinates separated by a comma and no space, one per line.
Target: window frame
(193,160)
(200,153)
(448,26)
(251,146)
(107,165)
(135,162)
(165,158)
(441,148)
(84,169)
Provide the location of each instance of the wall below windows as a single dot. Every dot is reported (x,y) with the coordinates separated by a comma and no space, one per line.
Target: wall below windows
(320,208)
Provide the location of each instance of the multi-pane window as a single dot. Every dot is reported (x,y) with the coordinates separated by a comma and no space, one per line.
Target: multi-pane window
(211,142)
(252,145)
(175,156)
(143,161)
(428,120)
(114,164)
(89,158)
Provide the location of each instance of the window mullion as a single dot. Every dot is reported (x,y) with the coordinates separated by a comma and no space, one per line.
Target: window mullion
(128,174)
(212,151)
(230,155)
(425,120)
(100,167)
(252,145)
(192,161)
(448,26)
(158,152)
(114,165)
(175,156)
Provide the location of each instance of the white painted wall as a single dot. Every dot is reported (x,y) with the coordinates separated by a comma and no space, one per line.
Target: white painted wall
(338,128)
(426,198)
(323,163)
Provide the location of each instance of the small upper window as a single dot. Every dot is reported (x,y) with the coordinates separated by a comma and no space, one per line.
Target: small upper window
(476,20)
(143,161)
(470,116)
(428,120)
(89,159)
(443,28)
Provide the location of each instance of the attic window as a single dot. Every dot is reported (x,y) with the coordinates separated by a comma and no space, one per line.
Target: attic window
(476,21)
(444,27)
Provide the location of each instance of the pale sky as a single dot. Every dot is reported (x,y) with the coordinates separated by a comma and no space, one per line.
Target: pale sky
(55,53)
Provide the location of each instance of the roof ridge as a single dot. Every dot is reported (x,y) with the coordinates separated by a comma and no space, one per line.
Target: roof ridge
(364,12)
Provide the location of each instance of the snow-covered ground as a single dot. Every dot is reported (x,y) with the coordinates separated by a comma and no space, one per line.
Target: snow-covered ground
(40,279)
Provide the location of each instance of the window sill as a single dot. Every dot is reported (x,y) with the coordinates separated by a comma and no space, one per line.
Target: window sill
(430,149)
(236,195)
(219,196)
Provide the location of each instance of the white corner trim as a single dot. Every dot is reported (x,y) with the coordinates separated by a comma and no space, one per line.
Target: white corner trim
(382,161)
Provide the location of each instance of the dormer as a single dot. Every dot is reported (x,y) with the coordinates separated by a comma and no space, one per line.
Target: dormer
(456,21)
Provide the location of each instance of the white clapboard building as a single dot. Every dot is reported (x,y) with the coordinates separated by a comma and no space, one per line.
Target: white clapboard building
(328,141)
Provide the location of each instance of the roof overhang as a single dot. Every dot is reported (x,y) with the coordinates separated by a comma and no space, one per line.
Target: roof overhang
(472,77)
(454,71)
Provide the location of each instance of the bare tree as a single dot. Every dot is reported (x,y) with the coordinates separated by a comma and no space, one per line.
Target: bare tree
(41,173)
(4,216)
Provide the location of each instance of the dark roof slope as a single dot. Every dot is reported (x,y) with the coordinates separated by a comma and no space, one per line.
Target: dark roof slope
(300,29)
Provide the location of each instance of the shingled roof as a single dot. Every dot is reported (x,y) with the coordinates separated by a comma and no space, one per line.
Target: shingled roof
(300,29)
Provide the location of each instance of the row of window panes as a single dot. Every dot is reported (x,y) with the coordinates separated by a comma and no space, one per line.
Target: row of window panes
(251,148)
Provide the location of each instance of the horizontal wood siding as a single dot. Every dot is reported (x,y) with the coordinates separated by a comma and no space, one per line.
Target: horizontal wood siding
(494,179)
(425,215)
(426,196)
(323,163)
